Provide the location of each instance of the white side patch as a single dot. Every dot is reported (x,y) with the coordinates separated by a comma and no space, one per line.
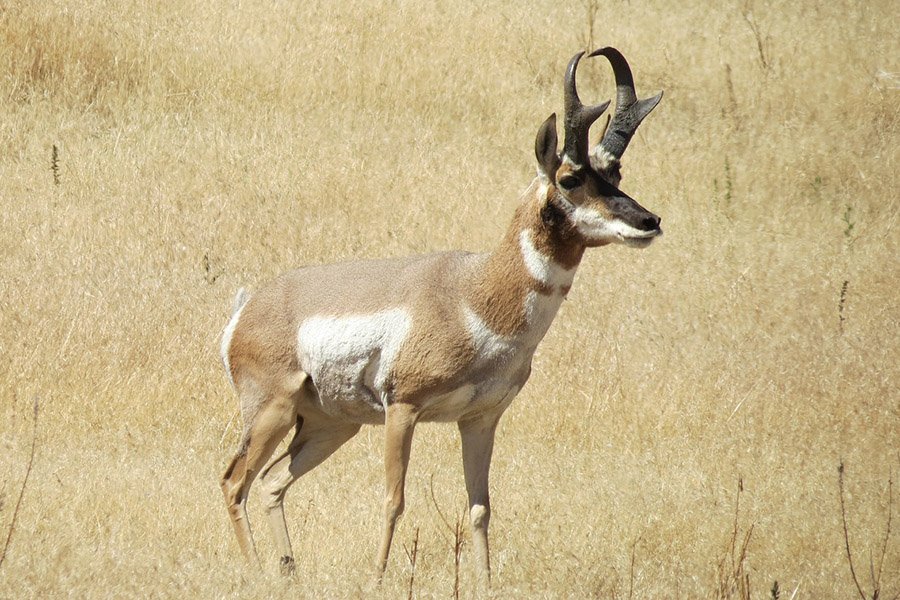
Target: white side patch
(227,334)
(342,353)
(541,267)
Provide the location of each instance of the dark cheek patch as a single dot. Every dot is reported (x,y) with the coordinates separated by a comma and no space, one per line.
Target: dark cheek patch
(551,214)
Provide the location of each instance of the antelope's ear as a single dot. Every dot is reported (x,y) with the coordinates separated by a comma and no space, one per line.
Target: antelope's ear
(545,148)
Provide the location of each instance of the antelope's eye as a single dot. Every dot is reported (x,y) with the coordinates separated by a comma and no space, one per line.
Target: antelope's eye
(569,182)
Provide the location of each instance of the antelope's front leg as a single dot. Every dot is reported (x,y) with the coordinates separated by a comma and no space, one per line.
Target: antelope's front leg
(477,446)
(399,422)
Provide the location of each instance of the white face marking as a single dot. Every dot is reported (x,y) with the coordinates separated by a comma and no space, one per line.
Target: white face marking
(597,228)
(343,353)
(541,267)
(228,333)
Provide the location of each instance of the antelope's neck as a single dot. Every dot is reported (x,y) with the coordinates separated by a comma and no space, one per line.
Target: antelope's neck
(520,285)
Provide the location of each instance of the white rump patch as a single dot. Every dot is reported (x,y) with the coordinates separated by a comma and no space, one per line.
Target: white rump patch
(240,301)
(348,355)
(541,267)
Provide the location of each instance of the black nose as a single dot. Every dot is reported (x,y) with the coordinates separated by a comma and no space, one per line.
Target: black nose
(650,223)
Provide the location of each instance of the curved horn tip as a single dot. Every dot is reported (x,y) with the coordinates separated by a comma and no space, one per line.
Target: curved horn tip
(573,63)
(605,51)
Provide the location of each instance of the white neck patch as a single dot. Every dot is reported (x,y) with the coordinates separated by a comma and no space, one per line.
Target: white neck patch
(542,267)
(489,346)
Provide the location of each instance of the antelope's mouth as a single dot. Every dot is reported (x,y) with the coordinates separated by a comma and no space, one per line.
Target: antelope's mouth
(641,240)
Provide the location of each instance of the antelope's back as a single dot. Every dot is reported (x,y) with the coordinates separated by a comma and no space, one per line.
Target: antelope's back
(334,307)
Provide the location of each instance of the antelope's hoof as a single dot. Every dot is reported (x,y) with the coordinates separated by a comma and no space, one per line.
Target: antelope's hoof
(288,566)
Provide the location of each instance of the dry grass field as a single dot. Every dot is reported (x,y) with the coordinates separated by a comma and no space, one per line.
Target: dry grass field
(156,156)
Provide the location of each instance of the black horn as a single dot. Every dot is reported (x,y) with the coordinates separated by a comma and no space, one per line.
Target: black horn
(578,117)
(629,110)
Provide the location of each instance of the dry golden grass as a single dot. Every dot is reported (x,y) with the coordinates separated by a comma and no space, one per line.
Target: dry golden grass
(202,146)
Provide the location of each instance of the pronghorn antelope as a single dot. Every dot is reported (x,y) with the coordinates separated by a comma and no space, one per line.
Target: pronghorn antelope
(440,337)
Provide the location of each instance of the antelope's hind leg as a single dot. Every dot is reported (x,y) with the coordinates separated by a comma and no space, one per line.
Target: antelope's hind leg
(316,439)
(261,436)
